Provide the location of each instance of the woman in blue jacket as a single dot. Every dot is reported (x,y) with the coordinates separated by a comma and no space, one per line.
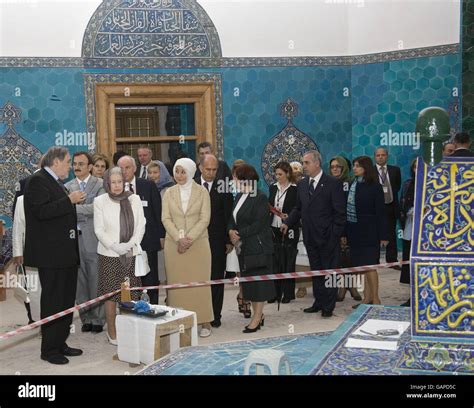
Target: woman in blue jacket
(366,225)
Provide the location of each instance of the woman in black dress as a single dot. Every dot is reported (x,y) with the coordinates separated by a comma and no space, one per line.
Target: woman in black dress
(251,235)
(283,200)
(366,225)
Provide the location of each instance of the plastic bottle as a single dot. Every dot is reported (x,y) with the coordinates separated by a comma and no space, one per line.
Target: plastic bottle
(144,296)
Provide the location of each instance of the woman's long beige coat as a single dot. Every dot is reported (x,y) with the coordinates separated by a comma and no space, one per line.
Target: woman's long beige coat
(195,263)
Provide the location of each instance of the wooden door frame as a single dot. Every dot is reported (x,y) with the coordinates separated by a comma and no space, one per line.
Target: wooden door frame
(107,95)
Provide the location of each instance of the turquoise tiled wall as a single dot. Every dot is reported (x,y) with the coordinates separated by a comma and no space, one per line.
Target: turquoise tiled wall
(251,99)
(389,96)
(51,100)
(381,96)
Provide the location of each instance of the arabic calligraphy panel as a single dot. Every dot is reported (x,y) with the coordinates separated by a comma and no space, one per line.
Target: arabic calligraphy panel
(443,296)
(145,28)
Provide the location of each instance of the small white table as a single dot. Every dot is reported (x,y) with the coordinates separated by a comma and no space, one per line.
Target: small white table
(145,339)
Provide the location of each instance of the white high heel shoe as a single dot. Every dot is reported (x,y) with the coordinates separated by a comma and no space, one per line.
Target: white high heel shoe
(111,341)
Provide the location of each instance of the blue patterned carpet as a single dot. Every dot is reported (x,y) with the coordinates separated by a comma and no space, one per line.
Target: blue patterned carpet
(324,353)
(229,358)
(335,359)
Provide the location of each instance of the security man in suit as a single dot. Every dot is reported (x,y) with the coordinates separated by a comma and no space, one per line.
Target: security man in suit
(219,241)
(391,180)
(154,231)
(462,142)
(223,171)
(93,318)
(51,246)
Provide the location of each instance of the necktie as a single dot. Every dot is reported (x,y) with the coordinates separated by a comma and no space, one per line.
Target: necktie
(82,186)
(61,183)
(206,185)
(130,188)
(143,175)
(387,188)
(311,186)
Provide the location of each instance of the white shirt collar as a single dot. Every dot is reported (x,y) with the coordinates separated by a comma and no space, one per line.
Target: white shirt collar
(210,183)
(280,187)
(316,178)
(51,172)
(379,166)
(86,180)
(133,184)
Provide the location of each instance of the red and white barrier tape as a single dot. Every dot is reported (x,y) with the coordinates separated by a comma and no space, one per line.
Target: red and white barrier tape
(234,281)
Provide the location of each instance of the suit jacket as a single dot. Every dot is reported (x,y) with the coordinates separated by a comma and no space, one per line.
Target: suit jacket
(252,225)
(151,200)
(323,215)
(395,178)
(223,172)
(51,223)
(221,211)
(194,222)
(288,205)
(371,225)
(107,223)
(463,153)
(85,211)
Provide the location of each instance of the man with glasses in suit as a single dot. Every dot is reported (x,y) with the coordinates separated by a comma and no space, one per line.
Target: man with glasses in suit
(92,318)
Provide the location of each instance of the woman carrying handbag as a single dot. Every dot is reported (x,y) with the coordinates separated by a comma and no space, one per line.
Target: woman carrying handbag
(249,231)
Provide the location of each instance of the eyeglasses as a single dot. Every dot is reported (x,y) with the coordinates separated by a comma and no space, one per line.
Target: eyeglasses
(336,167)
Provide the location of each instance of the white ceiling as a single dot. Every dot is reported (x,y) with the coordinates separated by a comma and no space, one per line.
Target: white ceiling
(252,28)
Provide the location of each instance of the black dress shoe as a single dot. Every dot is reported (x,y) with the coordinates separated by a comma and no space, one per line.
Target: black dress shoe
(286,300)
(55,359)
(70,352)
(312,309)
(97,328)
(272,300)
(326,314)
(86,327)
(216,323)
(249,330)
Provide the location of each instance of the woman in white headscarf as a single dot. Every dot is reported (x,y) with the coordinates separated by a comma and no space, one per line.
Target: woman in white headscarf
(186,215)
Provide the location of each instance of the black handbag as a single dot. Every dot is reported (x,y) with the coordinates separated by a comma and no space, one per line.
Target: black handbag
(255,261)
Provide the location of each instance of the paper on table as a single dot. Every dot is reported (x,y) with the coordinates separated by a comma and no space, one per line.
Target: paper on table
(371,344)
(372,325)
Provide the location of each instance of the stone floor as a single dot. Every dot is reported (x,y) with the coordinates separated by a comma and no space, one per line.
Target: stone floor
(20,354)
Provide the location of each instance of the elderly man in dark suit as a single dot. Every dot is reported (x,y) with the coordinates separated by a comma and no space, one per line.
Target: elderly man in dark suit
(219,241)
(390,179)
(321,206)
(93,318)
(51,246)
(154,236)
(462,142)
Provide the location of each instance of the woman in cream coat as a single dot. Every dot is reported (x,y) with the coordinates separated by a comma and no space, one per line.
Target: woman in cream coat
(119,224)
(186,215)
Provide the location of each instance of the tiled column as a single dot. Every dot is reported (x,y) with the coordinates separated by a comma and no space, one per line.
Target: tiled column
(467,33)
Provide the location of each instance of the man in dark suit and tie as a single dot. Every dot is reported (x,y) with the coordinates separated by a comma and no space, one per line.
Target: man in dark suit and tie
(390,179)
(154,236)
(219,241)
(462,141)
(51,246)
(321,206)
